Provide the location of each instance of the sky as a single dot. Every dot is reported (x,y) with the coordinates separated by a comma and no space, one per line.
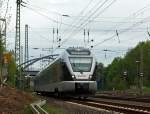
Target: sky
(123,22)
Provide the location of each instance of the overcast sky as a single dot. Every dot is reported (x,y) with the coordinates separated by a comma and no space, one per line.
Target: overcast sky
(101,17)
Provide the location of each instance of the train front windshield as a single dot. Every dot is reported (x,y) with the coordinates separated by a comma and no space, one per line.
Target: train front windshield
(81,64)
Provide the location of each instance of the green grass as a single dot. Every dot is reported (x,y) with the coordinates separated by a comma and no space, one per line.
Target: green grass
(49,109)
(54,110)
(27,111)
(146,89)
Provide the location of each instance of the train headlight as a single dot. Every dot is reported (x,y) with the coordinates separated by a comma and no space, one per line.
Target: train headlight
(73,76)
(90,77)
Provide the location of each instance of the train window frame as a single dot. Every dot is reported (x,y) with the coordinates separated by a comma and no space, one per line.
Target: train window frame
(79,70)
(79,52)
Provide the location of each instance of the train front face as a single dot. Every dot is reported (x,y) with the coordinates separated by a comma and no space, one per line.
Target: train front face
(81,65)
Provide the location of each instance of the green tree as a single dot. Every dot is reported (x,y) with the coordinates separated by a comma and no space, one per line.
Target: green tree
(100,75)
(11,72)
(119,65)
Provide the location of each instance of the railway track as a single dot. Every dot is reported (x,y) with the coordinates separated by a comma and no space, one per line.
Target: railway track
(144,99)
(113,106)
(127,107)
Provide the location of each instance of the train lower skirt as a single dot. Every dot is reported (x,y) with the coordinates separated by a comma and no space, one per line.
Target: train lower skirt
(70,87)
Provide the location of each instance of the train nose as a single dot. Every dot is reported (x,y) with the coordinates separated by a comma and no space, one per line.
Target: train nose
(81,87)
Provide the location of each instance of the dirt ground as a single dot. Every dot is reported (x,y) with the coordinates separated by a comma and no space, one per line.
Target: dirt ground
(13,101)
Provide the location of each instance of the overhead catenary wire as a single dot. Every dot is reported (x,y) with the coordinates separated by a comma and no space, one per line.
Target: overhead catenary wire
(40,8)
(137,36)
(105,8)
(141,10)
(83,25)
(99,6)
(76,20)
(134,25)
(56,13)
(95,9)
(49,18)
(116,52)
(143,29)
(92,12)
(84,9)
(37,33)
(135,15)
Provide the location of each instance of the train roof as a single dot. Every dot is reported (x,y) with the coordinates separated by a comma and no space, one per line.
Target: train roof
(78,51)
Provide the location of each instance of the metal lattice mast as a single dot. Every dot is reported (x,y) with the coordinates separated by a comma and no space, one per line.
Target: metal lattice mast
(26,58)
(3,30)
(21,54)
(17,38)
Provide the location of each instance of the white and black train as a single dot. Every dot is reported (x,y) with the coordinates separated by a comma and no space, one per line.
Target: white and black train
(71,73)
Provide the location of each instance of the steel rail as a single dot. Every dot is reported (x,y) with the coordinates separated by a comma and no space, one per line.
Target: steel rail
(118,107)
(145,99)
